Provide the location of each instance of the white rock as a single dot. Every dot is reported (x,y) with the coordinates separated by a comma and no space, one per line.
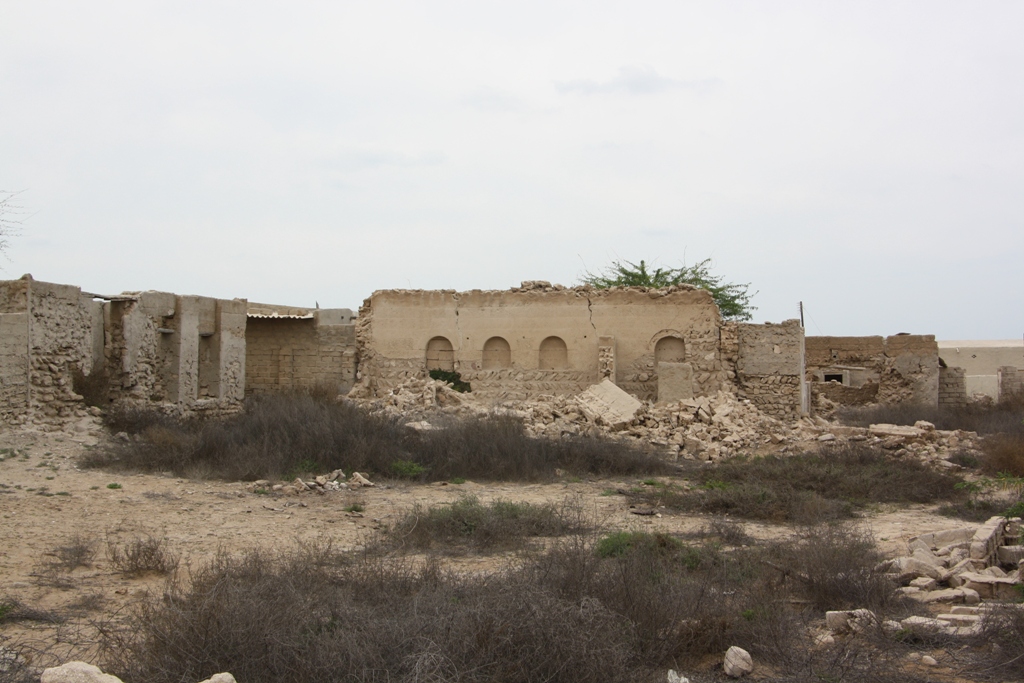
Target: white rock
(220,678)
(928,660)
(673,677)
(737,662)
(77,672)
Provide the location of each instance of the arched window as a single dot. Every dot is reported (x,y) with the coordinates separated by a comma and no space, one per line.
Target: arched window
(440,355)
(497,354)
(670,350)
(553,354)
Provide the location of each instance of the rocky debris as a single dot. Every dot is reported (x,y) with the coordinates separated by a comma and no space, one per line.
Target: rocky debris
(607,404)
(737,662)
(673,677)
(955,569)
(77,672)
(81,672)
(704,428)
(321,484)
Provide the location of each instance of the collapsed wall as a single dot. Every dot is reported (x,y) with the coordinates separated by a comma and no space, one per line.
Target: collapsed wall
(539,339)
(48,332)
(902,368)
(294,348)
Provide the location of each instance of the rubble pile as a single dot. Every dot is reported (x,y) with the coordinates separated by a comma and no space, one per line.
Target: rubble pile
(962,573)
(335,481)
(706,428)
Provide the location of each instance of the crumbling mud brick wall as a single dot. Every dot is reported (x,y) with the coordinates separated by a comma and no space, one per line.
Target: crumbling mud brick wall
(540,339)
(167,348)
(48,332)
(768,365)
(858,370)
(297,348)
(952,387)
(1011,383)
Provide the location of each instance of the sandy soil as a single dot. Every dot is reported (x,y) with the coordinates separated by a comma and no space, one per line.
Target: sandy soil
(46,501)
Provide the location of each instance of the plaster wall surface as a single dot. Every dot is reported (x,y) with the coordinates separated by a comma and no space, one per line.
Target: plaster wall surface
(981,360)
(284,353)
(396,327)
(769,366)
(903,367)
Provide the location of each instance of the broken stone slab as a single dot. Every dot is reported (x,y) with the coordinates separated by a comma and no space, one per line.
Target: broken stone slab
(675,382)
(606,403)
(1010,554)
(923,626)
(888,430)
(673,677)
(220,678)
(925,583)
(960,619)
(77,672)
(927,557)
(737,662)
(991,587)
(987,538)
(942,595)
(911,568)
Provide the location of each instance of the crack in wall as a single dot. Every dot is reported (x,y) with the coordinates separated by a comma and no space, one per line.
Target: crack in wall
(590,310)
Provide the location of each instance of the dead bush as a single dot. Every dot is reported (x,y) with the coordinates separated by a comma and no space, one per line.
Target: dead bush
(1000,645)
(1005,417)
(1003,454)
(833,567)
(468,523)
(567,613)
(12,610)
(142,555)
(281,435)
(94,388)
(78,551)
(807,488)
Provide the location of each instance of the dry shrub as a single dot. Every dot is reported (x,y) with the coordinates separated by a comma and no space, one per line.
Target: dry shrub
(468,523)
(94,388)
(834,568)
(564,614)
(806,488)
(142,555)
(283,434)
(1003,453)
(1007,416)
(12,610)
(1001,645)
(77,551)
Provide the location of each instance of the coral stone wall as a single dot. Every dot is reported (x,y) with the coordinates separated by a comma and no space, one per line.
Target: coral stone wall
(769,368)
(285,353)
(601,331)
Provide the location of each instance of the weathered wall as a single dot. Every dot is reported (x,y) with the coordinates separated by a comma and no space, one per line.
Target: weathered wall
(896,369)
(952,387)
(47,333)
(769,368)
(544,339)
(176,349)
(14,351)
(981,361)
(1011,382)
(284,353)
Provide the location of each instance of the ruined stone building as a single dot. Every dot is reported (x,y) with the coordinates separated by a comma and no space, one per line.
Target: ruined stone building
(663,344)
(206,354)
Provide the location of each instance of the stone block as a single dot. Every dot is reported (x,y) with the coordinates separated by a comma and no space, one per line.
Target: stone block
(675,382)
(607,403)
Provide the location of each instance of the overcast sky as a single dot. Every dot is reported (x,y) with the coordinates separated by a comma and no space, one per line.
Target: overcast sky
(866,158)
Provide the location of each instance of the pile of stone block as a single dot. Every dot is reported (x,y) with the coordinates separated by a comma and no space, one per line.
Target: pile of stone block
(965,572)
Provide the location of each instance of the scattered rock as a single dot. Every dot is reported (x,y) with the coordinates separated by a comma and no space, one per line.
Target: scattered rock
(77,672)
(737,662)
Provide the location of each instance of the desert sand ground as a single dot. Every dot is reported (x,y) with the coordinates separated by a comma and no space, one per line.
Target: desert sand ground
(46,501)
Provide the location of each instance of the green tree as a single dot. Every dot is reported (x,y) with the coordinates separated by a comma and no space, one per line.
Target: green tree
(9,224)
(733,299)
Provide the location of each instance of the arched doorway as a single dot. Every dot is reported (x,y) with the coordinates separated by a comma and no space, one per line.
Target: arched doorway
(669,350)
(440,355)
(553,354)
(497,354)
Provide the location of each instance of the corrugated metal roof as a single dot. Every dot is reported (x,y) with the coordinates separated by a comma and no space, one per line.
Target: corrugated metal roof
(277,316)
